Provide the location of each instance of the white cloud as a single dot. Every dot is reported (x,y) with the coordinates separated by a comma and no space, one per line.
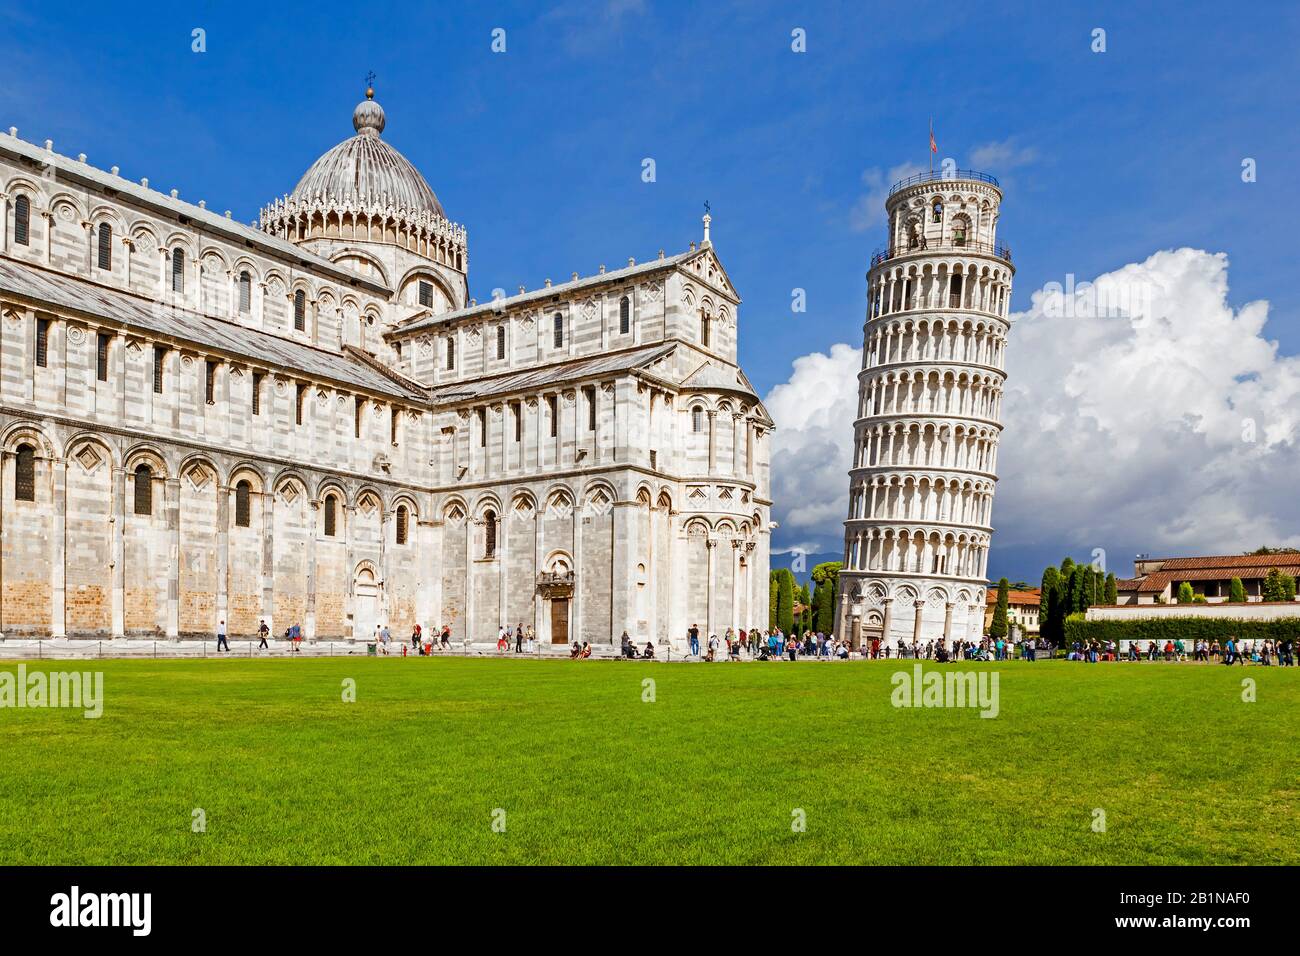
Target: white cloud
(813,448)
(1002,155)
(1123,426)
(869,209)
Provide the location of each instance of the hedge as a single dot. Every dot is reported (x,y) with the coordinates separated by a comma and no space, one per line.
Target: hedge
(1186,629)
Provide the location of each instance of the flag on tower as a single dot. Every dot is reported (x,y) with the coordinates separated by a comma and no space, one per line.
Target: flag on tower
(934,147)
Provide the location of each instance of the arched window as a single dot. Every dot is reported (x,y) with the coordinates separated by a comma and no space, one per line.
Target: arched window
(401,524)
(960,230)
(697,419)
(936,211)
(22,220)
(624,315)
(501,343)
(178,270)
(489,534)
(105,247)
(704,329)
(143,490)
(331,506)
(451,353)
(300,310)
(25,474)
(245,292)
(426,294)
(559,330)
(243,491)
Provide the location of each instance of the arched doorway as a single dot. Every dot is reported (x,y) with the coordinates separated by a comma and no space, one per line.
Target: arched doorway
(365,604)
(555,588)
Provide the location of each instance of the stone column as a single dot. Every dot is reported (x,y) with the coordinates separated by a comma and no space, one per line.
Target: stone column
(916,621)
(173,486)
(223,555)
(309,614)
(58,571)
(887,625)
(710,547)
(713,442)
(736,582)
(119,552)
(268,559)
(947,621)
(469,577)
(623,561)
(503,552)
(576,619)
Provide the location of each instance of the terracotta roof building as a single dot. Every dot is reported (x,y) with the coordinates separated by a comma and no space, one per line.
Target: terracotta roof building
(1156,580)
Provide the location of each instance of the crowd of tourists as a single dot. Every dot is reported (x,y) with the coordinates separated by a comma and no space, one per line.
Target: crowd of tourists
(1231,651)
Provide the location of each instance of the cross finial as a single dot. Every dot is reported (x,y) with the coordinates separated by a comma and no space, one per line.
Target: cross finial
(706,207)
(370,84)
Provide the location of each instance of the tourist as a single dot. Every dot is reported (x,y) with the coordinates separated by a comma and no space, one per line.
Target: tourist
(415,637)
(576,652)
(649,652)
(519,638)
(295,638)
(694,636)
(221,637)
(713,647)
(586,650)
(445,637)
(530,639)
(503,639)
(263,632)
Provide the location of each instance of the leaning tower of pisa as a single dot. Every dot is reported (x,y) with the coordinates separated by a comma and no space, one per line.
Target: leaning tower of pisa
(929,410)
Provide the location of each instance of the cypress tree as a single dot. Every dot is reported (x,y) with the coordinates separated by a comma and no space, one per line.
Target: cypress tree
(1049,606)
(785,601)
(1236,592)
(1185,593)
(1273,587)
(1112,590)
(773,599)
(998,628)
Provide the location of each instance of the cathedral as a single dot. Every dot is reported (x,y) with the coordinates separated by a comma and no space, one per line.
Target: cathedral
(307,421)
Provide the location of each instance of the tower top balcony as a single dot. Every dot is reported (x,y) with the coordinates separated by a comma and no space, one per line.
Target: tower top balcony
(959,175)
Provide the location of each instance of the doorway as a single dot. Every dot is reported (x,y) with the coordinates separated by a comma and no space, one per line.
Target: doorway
(559,620)
(365,605)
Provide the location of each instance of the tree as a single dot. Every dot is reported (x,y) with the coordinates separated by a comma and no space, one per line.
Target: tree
(804,623)
(998,628)
(1267,550)
(1051,620)
(1112,589)
(773,600)
(1185,593)
(1236,592)
(826,595)
(1288,588)
(785,601)
(1274,589)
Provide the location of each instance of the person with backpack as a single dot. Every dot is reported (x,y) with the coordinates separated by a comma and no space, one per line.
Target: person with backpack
(263,632)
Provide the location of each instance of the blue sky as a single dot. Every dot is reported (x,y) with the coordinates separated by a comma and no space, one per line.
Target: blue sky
(1105,157)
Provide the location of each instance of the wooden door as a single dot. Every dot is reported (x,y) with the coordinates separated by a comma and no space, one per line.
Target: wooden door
(559,620)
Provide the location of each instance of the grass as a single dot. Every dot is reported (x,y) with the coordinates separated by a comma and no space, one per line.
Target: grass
(710,772)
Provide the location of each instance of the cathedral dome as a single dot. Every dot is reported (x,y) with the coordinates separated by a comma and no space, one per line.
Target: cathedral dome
(367,171)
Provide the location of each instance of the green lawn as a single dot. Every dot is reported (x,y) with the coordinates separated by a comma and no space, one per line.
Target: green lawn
(711,772)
